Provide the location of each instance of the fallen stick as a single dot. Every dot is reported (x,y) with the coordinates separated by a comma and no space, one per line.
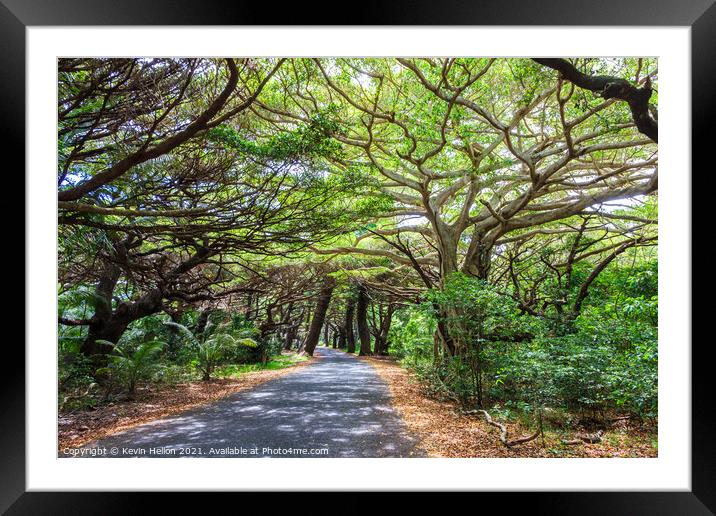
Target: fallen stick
(586,438)
(503,430)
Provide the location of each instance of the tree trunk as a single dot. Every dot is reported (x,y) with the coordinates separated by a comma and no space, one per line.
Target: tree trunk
(101,326)
(348,326)
(319,316)
(361,315)
(443,335)
(202,321)
(269,325)
(248,310)
(108,330)
(111,327)
(301,334)
(108,324)
(378,345)
(447,243)
(341,337)
(291,332)
(381,341)
(479,256)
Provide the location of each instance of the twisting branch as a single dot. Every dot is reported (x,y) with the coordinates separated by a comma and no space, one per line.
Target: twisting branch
(145,154)
(403,248)
(584,290)
(503,430)
(73,322)
(612,88)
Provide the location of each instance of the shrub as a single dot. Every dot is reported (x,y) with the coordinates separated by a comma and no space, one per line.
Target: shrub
(411,335)
(212,347)
(128,367)
(582,372)
(478,317)
(604,360)
(75,380)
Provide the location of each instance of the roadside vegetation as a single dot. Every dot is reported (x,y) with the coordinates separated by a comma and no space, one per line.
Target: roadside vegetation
(157,352)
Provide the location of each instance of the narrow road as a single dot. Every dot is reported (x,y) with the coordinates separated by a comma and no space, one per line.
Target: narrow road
(336,407)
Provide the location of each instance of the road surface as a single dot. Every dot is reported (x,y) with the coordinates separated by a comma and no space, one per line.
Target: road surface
(337,406)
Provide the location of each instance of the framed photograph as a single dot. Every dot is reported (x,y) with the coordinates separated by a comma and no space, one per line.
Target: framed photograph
(420,248)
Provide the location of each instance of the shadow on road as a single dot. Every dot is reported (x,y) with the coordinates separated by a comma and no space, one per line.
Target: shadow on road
(335,407)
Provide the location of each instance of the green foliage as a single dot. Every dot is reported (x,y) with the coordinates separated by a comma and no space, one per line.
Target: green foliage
(311,140)
(582,372)
(605,360)
(476,316)
(129,366)
(411,335)
(215,343)
(75,380)
(476,312)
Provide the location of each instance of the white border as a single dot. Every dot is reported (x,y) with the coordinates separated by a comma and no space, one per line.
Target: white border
(671,470)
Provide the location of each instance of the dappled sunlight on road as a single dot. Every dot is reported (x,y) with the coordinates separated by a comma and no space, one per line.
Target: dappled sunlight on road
(338,403)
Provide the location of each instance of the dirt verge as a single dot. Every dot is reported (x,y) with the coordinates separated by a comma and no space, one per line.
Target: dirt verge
(445,432)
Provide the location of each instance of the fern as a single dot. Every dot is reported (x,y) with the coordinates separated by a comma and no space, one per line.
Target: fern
(213,345)
(132,367)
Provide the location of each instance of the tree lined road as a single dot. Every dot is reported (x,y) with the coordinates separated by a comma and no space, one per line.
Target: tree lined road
(336,407)
(491,221)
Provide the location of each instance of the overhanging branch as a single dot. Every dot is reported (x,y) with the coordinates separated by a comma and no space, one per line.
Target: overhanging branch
(611,88)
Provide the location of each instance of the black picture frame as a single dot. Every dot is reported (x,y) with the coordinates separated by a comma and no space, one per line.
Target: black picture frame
(700,15)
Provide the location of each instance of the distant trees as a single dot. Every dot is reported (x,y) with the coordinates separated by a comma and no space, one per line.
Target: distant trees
(381,316)
(362,321)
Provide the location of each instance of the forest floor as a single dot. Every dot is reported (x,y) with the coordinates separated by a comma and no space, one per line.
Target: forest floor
(77,427)
(446,432)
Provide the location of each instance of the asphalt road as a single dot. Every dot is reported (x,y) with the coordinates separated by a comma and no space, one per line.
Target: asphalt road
(336,407)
